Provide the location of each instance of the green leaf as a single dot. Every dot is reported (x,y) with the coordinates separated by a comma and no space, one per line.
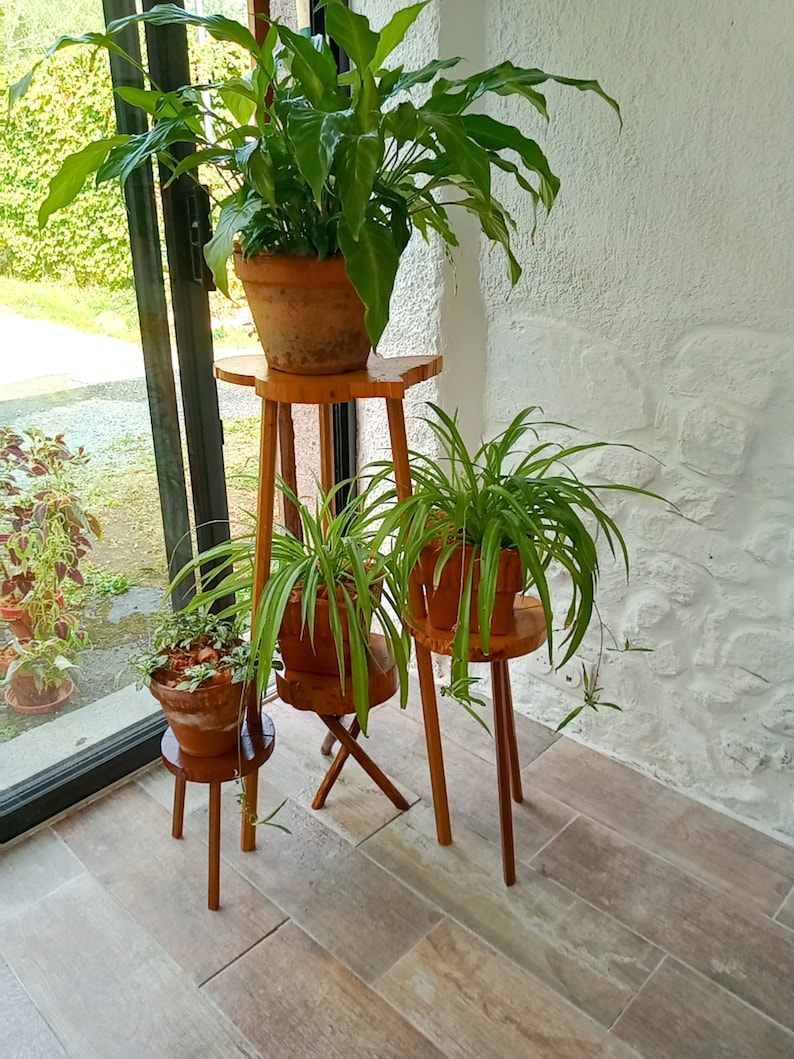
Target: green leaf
(261,175)
(352,31)
(495,136)
(312,64)
(240,98)
(314,135)
(356,166)
(426,73)
(371,262)
(394,31)
(466,156)
(219,27)
(146,99)
(67,183)
(123,159)
(218,250)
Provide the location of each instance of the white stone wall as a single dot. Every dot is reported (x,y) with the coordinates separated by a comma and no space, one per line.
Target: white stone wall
(656,309)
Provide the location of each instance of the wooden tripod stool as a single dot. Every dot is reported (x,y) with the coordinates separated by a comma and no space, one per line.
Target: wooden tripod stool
(324,696)
(527,635)
(254,747)
(384,377)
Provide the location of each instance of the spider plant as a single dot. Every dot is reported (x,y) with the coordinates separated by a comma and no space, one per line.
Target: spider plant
(506,497)
(336,562)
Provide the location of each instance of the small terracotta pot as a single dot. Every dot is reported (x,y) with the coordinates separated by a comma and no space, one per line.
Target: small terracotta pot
(17,618)
(206,722)
(308,315)
(22,695)
(297,652)
(7,656)
(443,600)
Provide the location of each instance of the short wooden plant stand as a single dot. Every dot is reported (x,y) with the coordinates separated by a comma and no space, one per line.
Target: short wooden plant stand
(254,747)
(527,634)
(386,378)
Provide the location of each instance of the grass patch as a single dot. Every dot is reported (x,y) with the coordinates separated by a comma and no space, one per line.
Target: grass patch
(92,310)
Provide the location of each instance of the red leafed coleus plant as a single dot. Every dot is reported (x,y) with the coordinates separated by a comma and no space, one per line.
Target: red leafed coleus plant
(44,530)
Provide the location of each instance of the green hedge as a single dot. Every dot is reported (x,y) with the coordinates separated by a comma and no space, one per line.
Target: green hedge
(70,102)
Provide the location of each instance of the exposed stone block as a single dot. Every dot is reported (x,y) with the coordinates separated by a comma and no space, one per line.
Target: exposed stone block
(771,542)
(766,652)
(713,441)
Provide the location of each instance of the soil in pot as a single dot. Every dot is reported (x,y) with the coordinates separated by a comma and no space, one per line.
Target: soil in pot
(308,315)
(443,600)
(23,696)
(206,722)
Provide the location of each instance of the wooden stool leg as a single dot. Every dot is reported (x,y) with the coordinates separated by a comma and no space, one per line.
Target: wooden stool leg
(332,775)
(179,806)
(503,773)
(286,450)
(248,826)
(427,684)
(512,741)
(214,887)
(366,763)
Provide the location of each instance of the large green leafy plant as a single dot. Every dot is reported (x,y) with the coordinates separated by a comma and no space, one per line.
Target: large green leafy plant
(318,163)
(515,492)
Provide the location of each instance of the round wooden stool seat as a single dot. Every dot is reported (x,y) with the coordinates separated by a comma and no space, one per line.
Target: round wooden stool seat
(323,694)
(255,746)
(527,634)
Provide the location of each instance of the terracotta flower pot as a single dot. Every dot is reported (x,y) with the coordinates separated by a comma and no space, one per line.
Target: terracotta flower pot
(23,696)
(308,315)
(297,652)
(443,600)
(206,722)
(17,618)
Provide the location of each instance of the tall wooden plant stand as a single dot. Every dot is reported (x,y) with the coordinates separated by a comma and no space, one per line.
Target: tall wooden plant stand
(527,634)
(387,378)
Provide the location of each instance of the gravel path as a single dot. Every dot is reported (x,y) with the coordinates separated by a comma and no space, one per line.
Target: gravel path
(89,387)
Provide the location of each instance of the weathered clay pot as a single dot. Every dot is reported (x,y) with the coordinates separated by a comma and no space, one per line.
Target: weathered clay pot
(297,652)
(22,695)
(206,722)
(18,621)
(443,600)
(308,315)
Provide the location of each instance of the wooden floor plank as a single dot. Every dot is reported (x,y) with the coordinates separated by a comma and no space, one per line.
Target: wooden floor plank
(698,839)
(24,1033)
(295,1001)
(125,840)
(584,955)
(736,946)
(32,869)
(475,1005)
(679,1013)
(106,987)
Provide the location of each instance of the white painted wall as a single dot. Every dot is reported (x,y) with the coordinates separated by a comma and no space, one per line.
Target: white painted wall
(656,309)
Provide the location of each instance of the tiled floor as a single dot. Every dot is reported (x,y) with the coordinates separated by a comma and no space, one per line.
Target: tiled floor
(641,923)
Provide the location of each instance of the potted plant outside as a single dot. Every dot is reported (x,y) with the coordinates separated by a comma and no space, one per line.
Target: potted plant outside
(45,533)
(36,680)
(326,595)
(327,175)
(481,528)
(197,669)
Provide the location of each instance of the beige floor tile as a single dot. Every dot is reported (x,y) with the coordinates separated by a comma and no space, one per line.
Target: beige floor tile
(32,869)
(106,987)
(23,1030)
(125,840)
(700,840)
(736,946)
(679,1013)
(584,955)
(295,1001)
(474,1004)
